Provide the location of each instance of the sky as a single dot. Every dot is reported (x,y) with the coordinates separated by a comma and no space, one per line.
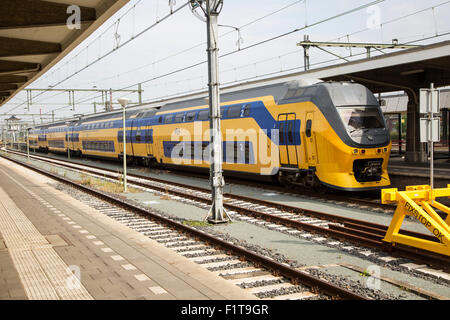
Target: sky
(180,41)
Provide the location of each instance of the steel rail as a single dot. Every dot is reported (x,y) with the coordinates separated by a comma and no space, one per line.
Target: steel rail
(335,197)
(294,275)
(355,231)
(367,234)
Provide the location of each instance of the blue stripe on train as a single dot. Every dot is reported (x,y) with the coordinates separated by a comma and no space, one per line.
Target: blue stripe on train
(258,112)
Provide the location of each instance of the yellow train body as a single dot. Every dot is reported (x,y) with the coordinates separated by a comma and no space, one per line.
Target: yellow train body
(299,139)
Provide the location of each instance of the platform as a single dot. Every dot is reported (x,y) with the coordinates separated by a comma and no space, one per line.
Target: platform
(405,174)
(49,240)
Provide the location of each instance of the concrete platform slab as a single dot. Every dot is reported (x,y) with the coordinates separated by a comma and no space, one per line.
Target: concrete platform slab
(102,275)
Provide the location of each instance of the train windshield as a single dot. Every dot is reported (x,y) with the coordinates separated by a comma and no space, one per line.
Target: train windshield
(361,118)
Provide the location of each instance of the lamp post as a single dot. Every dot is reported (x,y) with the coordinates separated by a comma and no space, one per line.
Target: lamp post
(69,138)
(124,102)
(28,144)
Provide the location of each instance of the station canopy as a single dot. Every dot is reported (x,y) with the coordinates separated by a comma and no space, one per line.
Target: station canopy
(34,36)
(404,70)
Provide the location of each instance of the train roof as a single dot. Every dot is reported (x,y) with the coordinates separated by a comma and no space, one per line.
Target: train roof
(340,94)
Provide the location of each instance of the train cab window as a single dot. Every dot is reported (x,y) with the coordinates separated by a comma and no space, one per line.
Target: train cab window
(168,119)
(179,117)
(160,119)
(308,128)
(246,110)
(361,118)
(203,115)
(291,132)
(190,116)
(234,112)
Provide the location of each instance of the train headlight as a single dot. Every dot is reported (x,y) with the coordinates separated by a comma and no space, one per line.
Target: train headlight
(355,151)
(378,150)
(363,151)
(385,150)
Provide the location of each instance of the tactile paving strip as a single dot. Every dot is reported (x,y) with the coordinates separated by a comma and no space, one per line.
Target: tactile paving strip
(44,275)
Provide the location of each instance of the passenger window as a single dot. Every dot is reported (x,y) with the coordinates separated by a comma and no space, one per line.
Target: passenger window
(222,113)
(308,128)
(168,119)
(234,112)
(190,116)
(179,117)
(203,115)
(160,120)
(138,136)
(246,112)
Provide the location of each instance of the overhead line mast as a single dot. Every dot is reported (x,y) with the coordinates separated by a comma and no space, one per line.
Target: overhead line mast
(212,9)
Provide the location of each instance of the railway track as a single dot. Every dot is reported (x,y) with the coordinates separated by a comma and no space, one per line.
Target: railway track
(364,201)
(293,220)
(261,275)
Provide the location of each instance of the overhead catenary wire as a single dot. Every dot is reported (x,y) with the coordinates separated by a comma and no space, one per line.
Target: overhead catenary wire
(383,23)
(115,49)
(259,43)
(243,26)
(197,45)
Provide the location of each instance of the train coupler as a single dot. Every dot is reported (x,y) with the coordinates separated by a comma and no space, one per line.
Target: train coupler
(420,203)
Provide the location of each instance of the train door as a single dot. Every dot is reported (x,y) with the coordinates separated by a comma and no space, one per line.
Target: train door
(287,126)
(310,140)
(149,141)
(290,139)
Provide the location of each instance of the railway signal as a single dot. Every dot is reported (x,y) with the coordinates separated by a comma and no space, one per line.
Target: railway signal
(212,9)
(430,126)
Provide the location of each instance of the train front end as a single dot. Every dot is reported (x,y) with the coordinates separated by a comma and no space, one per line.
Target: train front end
(357,143)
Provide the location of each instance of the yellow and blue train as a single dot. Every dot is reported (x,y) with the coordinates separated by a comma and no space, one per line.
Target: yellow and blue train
(330,134)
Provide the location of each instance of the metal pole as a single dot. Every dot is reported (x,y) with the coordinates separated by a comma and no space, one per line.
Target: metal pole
(28,145)
(306,52)
(448,130)
(110,100)
(140,92)
(124,151)
(217,213)
(400,137)
(431,142)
